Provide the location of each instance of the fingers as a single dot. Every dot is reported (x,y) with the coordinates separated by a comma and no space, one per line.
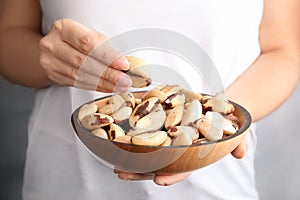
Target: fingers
(162,180)
(69,51)
(90,42)
(240,151)
(65,75)
(133,176)
(92,70)
(167,180)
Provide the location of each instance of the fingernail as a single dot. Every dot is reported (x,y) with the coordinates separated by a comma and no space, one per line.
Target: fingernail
(124,64)
(161,183)
(122,90)
(125,81)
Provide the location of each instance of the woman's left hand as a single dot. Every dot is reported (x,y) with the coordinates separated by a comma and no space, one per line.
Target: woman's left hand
(166,180)
(162,180)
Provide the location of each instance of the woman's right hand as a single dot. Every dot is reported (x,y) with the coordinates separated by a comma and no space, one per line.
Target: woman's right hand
(74,55)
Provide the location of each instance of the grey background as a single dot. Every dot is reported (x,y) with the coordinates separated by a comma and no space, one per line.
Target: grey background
(277,159)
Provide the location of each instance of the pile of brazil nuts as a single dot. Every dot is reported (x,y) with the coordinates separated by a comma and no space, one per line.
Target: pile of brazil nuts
(163,116)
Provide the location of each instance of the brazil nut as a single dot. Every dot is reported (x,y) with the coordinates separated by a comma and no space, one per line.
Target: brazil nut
(152,121)
(114,103)
(87,109)
(150,138)
(96,120)
(123,139)
(100,132)
(137,73)
(192,113)
(114,131)
(161,92)
(174,116)
(174,100)
(142,110)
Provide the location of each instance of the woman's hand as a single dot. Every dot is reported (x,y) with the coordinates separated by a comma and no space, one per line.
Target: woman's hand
(240,151)
(162,180)
(166,180)
(74,55)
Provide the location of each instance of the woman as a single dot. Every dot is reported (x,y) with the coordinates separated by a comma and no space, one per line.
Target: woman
(256,42)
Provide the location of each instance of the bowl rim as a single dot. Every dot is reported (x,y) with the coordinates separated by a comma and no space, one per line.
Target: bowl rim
(76,125)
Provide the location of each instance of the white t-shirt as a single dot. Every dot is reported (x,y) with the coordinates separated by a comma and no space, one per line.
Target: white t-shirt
(58,166)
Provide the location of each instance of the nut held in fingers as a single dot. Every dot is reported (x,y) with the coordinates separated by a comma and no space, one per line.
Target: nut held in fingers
(137,73)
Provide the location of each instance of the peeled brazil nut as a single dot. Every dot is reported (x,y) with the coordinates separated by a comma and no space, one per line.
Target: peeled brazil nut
(211,127)
(190,96)
(142,110)
(229,128)
(192,113)
(174,116)
(87,109)
(115,131)
(220,104)
(154,92)
(184,138)
(100,132)
(137,101)
(217,103)
(134,132)
(167,142)
(122,114)
(162,92)
(174,100)
(129,99)
(114,103)
(123,139)
(152,121)
(137,73)
(177,130)
(96,120)
(203,125)
(150,138)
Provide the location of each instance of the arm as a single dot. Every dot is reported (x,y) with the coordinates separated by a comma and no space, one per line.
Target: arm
(19,43)
(275,74)
(69,55)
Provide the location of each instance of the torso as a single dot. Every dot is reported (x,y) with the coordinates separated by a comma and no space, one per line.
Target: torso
(59,167)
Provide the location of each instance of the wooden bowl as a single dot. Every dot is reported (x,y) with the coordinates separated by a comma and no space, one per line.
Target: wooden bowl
(158,159)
